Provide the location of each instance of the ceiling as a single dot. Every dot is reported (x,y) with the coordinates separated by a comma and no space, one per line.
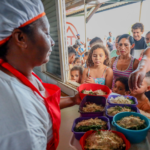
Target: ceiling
(76,7)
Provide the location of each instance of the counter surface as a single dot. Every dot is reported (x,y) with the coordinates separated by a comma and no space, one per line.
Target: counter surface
(68,115)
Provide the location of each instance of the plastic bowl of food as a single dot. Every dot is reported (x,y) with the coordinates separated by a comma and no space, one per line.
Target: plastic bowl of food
(132,101)
(78,134)
(97,100)
(133,108)
(88,133)
(134,136)
(93,87)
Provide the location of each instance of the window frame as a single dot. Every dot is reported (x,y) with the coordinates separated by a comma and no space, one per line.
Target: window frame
(62,40)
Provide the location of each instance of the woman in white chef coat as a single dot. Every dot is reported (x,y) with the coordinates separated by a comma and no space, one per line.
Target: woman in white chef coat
(29,109)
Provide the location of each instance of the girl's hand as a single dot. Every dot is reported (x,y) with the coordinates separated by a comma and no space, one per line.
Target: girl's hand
(89,80)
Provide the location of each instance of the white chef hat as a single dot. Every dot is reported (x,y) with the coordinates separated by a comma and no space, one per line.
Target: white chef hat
(18,13)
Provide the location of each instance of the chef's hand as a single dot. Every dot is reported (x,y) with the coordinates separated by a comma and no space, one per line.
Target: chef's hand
(136,79)
(68,101)
(89,80)
(76,99)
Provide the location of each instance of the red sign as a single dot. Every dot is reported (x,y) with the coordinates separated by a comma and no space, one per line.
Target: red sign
(71,33)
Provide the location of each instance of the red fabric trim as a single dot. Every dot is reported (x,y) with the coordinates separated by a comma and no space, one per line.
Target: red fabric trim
(5,40)
(51,145)
(1,61)
(23,25)
(33,19)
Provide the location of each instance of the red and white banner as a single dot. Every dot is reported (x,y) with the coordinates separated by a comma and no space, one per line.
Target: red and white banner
(71,33)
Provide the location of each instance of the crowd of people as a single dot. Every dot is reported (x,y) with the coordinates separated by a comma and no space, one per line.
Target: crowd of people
(30,116)
(102,64)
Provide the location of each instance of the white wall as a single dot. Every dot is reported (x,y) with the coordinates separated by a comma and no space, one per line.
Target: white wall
(118,21)
(146,15)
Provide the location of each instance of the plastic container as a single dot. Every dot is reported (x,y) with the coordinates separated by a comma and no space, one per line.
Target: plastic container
(78,135)
(131,97)
(99,100)
(135,109)
(93,87)
(82,140)
(134,136)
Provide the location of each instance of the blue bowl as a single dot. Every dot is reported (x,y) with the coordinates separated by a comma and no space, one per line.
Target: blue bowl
(134,136)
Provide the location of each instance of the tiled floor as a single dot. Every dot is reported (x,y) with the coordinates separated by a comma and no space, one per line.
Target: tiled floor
(67,117)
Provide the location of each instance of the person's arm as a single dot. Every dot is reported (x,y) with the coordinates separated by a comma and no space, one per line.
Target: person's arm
(136,77)
(81,53)
(109,77)
(135,65)
(82,42)
(69,101)
(84,76)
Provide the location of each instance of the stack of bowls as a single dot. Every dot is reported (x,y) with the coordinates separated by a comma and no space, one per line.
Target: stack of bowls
(132,106)
(99,100)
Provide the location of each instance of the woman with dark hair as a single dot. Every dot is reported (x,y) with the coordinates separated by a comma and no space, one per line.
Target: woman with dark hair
(124,64)
(29,108)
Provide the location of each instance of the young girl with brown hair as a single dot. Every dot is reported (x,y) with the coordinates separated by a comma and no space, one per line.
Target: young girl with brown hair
(98,70)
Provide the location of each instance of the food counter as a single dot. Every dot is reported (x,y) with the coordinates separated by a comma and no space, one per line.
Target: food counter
(67,140)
